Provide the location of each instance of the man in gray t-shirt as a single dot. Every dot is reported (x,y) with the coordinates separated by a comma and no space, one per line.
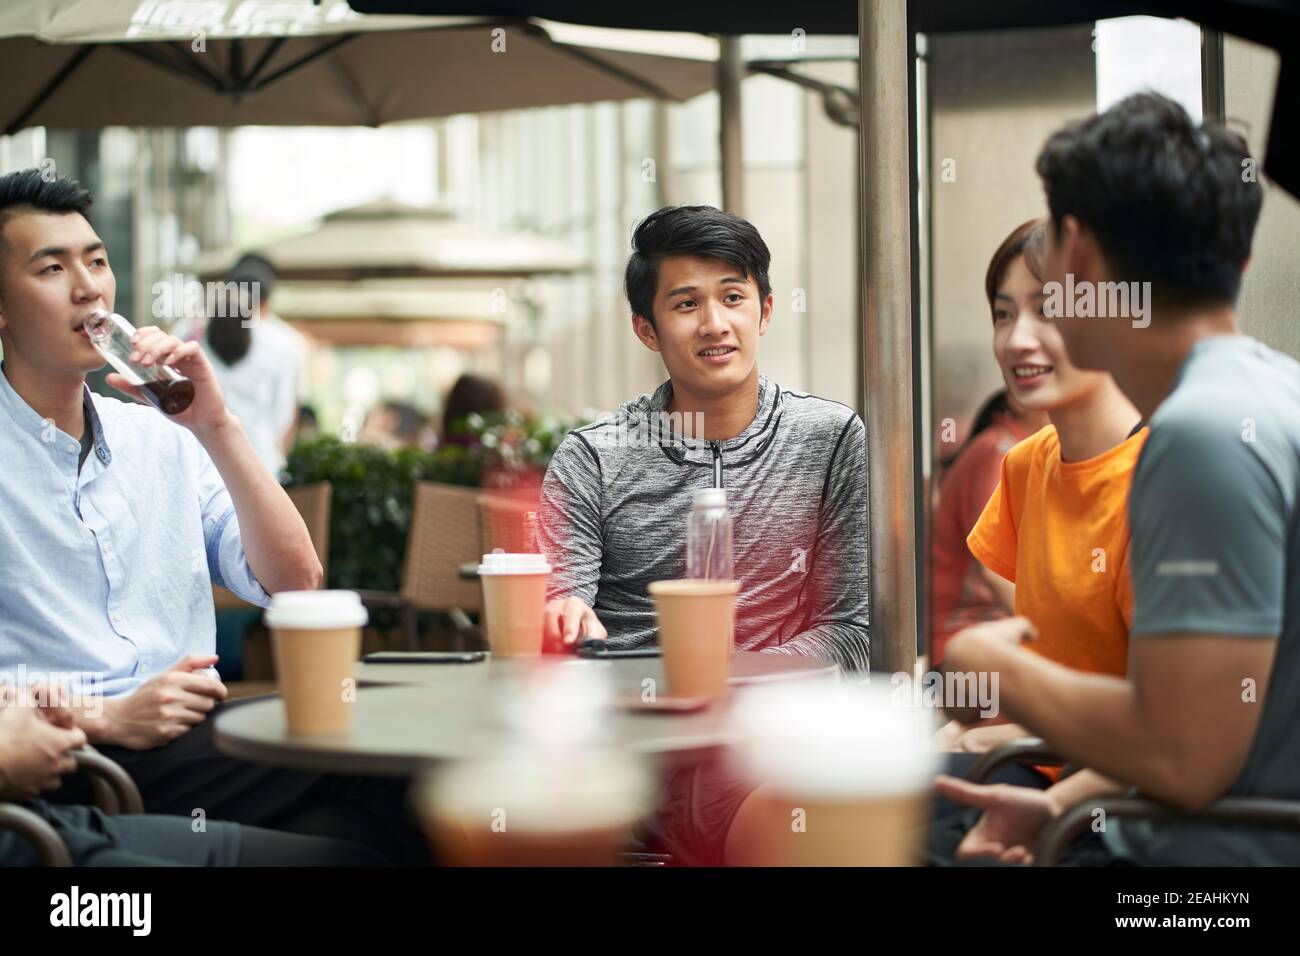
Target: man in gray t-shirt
(1151,226)
(1215,524)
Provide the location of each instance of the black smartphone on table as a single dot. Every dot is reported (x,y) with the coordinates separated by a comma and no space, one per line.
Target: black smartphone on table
(597,648)
(424,657)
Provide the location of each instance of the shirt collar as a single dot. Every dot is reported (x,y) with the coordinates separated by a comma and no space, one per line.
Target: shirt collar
(26,418)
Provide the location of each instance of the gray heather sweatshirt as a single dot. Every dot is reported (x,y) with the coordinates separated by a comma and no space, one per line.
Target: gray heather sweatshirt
(617,494)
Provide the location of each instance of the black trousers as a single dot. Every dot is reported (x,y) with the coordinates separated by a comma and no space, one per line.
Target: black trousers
(94,839)
(190,778)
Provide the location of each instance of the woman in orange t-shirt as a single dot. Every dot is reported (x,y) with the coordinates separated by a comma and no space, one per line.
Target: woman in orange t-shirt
(962,591)
(1056,527)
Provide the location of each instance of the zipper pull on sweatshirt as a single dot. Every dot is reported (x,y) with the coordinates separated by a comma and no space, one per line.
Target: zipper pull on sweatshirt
(717,464)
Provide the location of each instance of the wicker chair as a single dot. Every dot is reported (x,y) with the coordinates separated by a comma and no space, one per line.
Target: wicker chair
(508,522)
(115,793)
(444,535)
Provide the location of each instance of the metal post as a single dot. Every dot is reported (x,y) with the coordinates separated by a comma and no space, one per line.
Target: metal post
(731,70)
(887,328)
(1213,107)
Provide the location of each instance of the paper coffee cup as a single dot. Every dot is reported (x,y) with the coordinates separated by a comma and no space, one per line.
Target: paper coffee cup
(514,602)
(316,640)
(534,808)
(697,624)
(845,775)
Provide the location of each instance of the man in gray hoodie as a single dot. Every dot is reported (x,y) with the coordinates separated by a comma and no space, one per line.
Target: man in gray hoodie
(617,494)
(614,503)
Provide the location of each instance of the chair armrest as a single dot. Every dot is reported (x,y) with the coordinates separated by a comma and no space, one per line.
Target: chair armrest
(1243,811)
(115,791)
(44,837)
(1025,750)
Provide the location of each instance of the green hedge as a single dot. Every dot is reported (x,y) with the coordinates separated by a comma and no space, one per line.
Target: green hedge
(371,510)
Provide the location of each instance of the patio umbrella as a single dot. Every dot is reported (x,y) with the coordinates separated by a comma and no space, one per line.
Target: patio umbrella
(154,63)
(387,239)
(404,314)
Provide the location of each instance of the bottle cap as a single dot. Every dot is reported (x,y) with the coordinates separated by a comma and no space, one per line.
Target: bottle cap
(709,498)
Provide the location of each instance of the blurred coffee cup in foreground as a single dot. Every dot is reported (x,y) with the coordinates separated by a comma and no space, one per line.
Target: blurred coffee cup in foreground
(845,775)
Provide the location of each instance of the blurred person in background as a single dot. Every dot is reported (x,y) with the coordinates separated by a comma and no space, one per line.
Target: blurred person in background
(392,425)
(308,425)
(471,395)
(257,362)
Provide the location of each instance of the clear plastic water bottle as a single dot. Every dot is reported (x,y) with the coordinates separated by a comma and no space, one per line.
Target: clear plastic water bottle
(163,386)
(708,537)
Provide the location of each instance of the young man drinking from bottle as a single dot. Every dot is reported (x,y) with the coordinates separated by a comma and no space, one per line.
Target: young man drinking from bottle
(617,494)
(115,521)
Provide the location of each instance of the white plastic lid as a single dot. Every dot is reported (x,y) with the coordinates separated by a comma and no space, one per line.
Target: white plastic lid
(309,610)
(498,562)
(823,738)
(709,498)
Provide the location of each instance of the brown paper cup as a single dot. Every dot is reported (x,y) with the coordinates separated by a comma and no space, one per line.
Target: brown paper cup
(697,624)
(785,830)
(514,605)
(844,772)
(534,808)
(514,602)
(315,641)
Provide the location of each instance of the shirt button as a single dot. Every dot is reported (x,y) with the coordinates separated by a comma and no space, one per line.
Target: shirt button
(117,618)
(73,447)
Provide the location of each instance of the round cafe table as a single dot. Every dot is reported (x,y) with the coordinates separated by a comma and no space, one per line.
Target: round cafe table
(408,716)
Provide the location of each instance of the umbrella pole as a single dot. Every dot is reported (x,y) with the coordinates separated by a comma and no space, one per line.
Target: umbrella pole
(731,70)
(886,265)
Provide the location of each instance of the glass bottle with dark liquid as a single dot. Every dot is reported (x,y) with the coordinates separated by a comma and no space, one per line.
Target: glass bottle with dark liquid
(164,387)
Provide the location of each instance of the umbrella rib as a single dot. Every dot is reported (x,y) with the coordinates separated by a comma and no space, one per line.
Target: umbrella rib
(591,59)
(265,58)
(202,77)
(304,60)
(352,90)
(39,100)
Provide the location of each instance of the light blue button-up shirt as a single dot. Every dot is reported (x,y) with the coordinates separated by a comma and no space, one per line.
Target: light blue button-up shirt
(106,574)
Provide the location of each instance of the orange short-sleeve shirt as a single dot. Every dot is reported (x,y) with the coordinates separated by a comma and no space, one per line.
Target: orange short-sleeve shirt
(1059,531)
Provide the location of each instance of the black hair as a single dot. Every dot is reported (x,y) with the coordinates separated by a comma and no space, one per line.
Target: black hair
(231,336)
(253,267)
(692,231)
(1026,241)
(472,394)
(1170,202)
(29,191)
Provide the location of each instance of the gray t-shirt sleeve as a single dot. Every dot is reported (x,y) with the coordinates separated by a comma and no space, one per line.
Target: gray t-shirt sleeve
(569,521)
(1208,529)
